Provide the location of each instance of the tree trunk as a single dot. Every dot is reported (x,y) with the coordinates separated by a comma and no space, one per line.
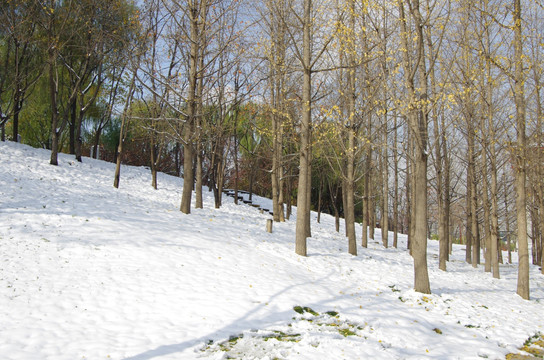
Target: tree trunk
(289,191)
(441,190)
(520,178)
(73,119)
(199,120)
(319,196)
(188,175)
(153,153)
(366,207)
(333,197)
(409,189)
(487,212)
(17,107)
(281,199)
(96,142)
(447,193)
(468,232)
(54,109)
(418,122)
(475,239)
(507,221)
(372,214)
(385,211)
(122,131)
(349,211)
(199,204)
(396,196)
(275,169)
(303,210)
(419,245)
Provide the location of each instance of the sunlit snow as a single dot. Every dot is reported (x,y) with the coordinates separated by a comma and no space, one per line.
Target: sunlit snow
(91,272)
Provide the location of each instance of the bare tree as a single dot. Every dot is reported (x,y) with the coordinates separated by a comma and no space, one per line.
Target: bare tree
(417,115)
(521,148)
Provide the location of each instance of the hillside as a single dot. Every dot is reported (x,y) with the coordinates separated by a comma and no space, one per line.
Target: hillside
(91,272)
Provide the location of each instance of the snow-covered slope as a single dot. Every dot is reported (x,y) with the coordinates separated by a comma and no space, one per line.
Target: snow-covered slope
(91,272)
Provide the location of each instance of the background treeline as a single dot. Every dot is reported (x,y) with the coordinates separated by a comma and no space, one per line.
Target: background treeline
(417,116)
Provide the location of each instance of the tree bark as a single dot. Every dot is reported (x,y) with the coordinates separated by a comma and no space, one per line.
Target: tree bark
(385,211)
(521,142)
(487,212)
(196,11)
(349,210)
(418,123)
(122,131)
(303,210)
(366,197)
(55,133)
(396,185)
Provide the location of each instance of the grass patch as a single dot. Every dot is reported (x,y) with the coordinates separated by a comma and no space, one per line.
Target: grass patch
(347,332)
(393,288)
(534,346)
(301,310)
(242,346)
(281,336)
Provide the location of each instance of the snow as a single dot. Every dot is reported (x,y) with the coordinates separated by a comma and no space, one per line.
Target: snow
(92,272)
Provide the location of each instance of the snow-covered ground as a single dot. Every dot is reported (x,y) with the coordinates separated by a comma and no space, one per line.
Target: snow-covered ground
(91,272)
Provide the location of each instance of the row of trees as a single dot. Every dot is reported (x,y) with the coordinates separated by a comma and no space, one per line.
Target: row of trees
(422,116)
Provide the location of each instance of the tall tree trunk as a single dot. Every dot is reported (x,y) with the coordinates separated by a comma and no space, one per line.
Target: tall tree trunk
(78,123)
(372,213)
(418,123)
(199,121)
(494,215)
(333,194)
(281,199)
(521,142)
(309,186)
(303,210)
(319,197)
(195,13)
(17,101)
(123,130)
(447,192)
(53,91)
(487,212)
(153,153)
(385,211)
(96,143)
(421,277)
(409,190)
(366,197)
(473,196)
(17,107)
(441,189)
(73,119)
(275,168)
(507,221)
(289,192)
(349,209)
(199,204)
(468,232)
(396,185)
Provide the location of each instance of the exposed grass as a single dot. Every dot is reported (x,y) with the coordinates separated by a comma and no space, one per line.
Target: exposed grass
(533,348)
(327,322)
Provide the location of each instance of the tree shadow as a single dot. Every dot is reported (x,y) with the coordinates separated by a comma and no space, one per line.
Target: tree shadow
(242,322)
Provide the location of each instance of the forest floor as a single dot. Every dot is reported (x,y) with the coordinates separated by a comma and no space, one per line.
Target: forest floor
(92,272)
